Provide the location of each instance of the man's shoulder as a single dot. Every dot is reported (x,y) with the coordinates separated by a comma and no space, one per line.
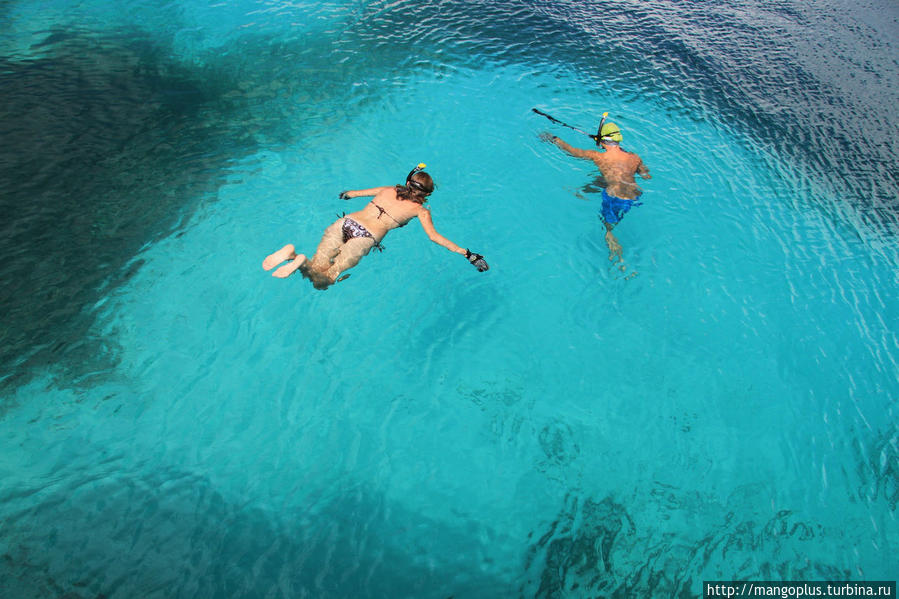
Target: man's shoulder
(633,158)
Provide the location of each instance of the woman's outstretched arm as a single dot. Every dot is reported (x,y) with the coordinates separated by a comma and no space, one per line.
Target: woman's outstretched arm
(424,217)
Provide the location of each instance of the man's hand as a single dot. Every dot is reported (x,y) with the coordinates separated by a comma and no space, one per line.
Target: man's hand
(545,136)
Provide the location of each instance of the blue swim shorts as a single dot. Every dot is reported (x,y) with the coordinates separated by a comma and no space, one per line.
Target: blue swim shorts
(614,209)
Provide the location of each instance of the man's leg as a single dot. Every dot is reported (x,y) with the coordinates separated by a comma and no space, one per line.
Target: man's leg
(614,246)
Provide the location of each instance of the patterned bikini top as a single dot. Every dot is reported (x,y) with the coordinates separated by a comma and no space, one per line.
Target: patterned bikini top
(382,211)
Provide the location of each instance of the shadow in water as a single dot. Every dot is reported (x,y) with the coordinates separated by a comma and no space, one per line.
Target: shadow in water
(111,143)
(575,554)
(173,535)
(105,150)
(605,549)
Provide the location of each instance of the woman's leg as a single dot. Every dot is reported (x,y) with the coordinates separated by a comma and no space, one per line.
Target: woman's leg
(330,244)
(331,258)
(291,267)
(286,253)
(349,256)
(328,247)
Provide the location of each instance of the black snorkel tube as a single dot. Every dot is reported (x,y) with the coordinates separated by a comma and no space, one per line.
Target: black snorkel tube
(415,184)
(558,122)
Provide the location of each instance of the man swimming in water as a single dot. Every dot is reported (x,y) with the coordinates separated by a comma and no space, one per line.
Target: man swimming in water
(617,167)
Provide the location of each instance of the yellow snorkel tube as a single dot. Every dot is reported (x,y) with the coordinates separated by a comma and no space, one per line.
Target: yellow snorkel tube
(415,184)
(599,129)
(419,167)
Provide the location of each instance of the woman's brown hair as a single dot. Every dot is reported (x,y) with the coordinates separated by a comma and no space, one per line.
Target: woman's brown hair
(417,188)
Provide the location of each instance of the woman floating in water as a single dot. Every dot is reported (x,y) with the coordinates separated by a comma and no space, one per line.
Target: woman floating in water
(353,236)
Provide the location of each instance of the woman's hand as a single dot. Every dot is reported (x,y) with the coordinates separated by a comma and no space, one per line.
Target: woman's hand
(477,261)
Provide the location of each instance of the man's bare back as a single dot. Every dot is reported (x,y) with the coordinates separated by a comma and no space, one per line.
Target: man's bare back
(617,167)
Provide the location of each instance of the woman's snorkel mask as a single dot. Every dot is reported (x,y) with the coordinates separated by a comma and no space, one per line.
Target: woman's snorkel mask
(415,184)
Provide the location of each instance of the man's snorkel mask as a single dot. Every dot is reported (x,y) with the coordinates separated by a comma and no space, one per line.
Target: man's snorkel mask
(415,184)
(607,132)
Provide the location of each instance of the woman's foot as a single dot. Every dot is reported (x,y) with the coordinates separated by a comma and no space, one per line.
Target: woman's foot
(282,255)
(290,268)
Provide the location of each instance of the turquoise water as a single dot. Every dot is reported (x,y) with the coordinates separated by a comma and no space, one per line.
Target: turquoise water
(176,423)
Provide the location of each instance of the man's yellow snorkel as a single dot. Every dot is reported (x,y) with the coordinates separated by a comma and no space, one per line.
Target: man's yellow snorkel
(607,132)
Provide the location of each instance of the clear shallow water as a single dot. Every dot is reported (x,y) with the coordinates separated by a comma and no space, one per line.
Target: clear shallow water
(177,423)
